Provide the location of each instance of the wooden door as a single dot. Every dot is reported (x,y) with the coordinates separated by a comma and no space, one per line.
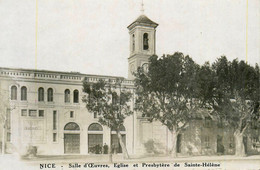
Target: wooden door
(95,143)
(71,143)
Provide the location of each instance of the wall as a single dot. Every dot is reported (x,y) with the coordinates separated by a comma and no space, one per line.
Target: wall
(38,131)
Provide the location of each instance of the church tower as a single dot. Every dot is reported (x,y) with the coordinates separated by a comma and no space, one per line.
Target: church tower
(142,43)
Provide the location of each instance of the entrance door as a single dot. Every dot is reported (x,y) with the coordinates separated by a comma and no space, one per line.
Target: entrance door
(220,146)
(95,143)
(245,143)
(179,143)
(116,147)
(71,143)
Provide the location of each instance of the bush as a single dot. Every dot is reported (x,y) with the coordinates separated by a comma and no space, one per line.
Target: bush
(32,150)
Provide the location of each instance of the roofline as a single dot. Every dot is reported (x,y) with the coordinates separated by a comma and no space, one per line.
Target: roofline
(154,25)
(57,72)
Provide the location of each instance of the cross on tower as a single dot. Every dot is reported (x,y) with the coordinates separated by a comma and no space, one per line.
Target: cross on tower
(142,7)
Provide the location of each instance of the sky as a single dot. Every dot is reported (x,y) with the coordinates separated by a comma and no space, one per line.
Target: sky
(91,36)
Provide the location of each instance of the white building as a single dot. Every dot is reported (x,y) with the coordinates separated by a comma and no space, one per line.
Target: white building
(46,109)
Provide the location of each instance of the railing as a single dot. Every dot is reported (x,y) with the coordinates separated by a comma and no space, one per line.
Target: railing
(13,74)
(60,76)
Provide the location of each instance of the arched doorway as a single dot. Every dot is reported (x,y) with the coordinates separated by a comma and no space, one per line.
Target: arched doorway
(71,138)
(116,147)
(95,138)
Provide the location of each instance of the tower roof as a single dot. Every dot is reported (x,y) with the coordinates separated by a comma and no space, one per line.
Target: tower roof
(143,21)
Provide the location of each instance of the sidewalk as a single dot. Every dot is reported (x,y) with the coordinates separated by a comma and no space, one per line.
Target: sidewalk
(62,162)
(119,158)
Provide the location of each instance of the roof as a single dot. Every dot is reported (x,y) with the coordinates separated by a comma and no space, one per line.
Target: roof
(53,72)
(54,75)
(144,21)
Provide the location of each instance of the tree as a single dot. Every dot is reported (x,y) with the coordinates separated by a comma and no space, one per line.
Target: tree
(233,96)
(111,102)
(5,109)
(167,92)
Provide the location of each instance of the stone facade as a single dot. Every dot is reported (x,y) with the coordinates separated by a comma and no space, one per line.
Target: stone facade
(42,123)
(46,111)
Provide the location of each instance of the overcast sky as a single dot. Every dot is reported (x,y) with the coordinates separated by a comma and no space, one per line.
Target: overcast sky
(90,36)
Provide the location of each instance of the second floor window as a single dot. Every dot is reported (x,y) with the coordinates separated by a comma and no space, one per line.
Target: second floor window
(13,93)
(54,120)
(115,98)
(50,95)
(67,96)
(40,94)
(23,93)
(75,96)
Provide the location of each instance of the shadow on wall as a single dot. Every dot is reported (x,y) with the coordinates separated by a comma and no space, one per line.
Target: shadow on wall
(153,147)
(191,149)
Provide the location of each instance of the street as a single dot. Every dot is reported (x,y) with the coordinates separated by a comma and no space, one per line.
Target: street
(78,162)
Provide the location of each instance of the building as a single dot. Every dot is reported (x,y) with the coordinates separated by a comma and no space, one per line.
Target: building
(45,110)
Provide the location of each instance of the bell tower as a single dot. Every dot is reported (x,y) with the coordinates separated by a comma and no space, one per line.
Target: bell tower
(142,43)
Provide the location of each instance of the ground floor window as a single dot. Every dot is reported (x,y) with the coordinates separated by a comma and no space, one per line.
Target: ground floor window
(24,112)
(8,137)
(54,138)
(231,142)
(255,142)
(32,113)
(206,142)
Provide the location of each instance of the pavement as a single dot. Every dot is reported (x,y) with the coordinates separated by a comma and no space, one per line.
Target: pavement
(97,158)
(77,162)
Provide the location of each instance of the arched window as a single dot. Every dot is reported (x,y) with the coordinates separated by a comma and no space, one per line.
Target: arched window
(67,96)
(13,93)
(23,93)
(40,94)
(72,138)
(115,98)
(95,127)
(121,128)
(145,41)
(95,138)
(133,42)
(50,95)
(71,126)
(75,96)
